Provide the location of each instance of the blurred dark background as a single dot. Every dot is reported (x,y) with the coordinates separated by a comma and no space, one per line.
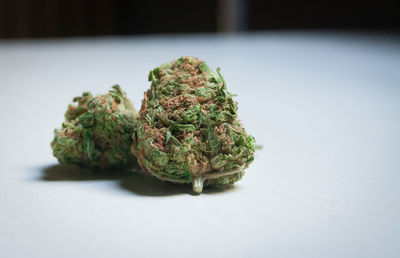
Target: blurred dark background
(65,18)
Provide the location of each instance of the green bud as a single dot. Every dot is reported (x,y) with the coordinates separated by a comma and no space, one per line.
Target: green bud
(97,132)
(188,130)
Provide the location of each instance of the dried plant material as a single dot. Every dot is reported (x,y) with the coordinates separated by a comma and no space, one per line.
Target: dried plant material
(188,130)
(97,132)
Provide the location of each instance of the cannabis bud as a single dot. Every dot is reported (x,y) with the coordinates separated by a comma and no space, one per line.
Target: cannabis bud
(188,130)
(97,132)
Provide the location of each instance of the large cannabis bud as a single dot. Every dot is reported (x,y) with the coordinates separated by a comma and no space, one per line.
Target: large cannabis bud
(188,130)
(97,133)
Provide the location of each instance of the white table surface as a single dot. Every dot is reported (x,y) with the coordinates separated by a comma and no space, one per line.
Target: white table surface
(325,107)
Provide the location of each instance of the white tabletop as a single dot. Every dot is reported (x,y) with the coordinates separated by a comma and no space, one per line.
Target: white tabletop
(325,108)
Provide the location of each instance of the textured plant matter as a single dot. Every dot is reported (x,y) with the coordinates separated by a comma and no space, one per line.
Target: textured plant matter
(97,132)
(188,130)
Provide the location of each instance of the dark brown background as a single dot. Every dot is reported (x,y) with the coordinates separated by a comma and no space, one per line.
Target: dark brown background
(63,18)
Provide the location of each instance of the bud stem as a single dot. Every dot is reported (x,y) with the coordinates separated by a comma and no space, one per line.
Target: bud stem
(198,184)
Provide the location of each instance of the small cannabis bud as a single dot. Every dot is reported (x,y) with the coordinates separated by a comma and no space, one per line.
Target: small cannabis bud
(97,133)
(188,130)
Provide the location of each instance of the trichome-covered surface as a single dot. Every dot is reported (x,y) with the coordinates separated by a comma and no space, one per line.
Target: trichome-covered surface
(188,130)
(97,132)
